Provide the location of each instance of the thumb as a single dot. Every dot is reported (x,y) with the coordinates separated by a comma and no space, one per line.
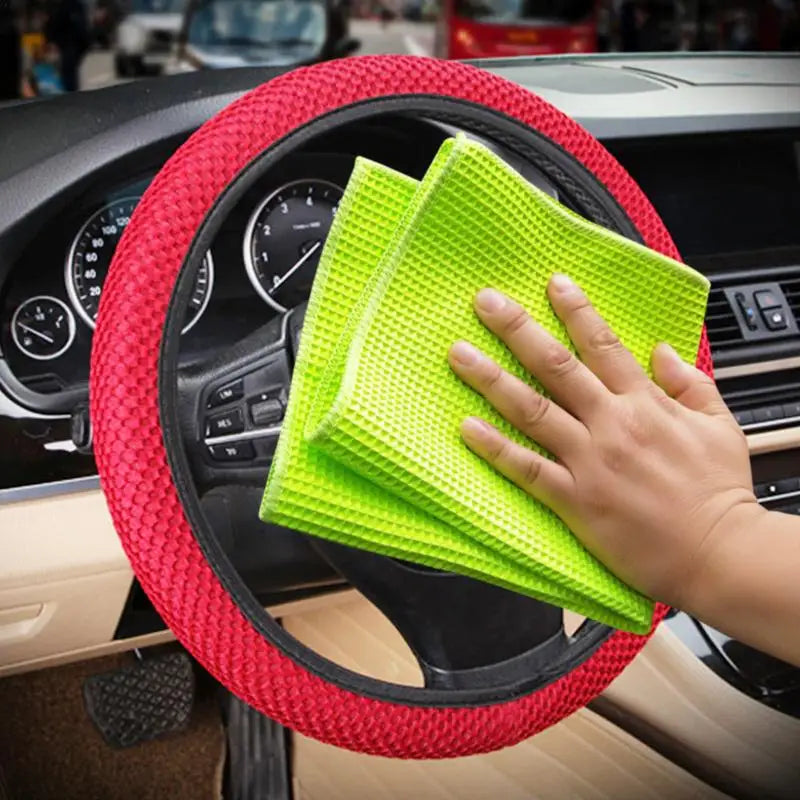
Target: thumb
(686,384)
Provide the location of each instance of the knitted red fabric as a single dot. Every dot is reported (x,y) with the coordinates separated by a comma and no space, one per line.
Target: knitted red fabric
(130,451)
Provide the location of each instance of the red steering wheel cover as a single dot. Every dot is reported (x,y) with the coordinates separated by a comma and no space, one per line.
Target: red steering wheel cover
(130,451)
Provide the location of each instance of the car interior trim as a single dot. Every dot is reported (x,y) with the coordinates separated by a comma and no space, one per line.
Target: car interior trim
(39,491)
(756,368)
(773,441)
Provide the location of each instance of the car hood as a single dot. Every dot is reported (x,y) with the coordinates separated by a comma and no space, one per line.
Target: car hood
(220,56)
(157,22)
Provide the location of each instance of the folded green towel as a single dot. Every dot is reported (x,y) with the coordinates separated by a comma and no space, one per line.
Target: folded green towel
(370,453)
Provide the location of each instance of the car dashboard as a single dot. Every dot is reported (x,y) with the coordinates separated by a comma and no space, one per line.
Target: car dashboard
(713,142)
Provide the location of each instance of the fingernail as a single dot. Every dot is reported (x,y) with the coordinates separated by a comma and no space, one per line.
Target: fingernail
(475,426)
(668,351)
(490,300)
(464,353)
(562,284)
(666,362)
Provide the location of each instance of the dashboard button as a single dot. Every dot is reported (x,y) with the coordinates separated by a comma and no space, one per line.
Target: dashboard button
(769,489)
(791,409)
(775,318)
(788,485)
(767,299)
(227,393)
(266,412)
(768,414)
(232,451)
(226,423)
(743,417)
(747,311)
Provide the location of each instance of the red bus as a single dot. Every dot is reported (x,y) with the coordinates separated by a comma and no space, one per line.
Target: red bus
(503,28)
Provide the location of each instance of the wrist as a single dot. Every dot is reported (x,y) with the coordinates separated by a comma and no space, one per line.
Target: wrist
(718,566)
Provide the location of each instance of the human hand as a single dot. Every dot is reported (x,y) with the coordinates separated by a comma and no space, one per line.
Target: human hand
(648,475)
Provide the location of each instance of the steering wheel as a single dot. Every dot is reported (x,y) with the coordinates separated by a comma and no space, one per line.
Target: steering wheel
(498,667)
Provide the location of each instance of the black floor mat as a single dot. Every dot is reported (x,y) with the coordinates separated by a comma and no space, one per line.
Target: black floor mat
(50,750)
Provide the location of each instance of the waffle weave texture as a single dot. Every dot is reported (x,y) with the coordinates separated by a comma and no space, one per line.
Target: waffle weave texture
(376,399)
(143,500)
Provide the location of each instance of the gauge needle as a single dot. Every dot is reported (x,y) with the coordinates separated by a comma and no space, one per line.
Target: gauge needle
(48,339)
(294,269)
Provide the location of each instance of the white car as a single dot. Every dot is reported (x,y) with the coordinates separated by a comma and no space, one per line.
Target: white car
(146,35)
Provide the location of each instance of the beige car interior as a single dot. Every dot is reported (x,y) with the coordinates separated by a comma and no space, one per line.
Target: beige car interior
(64,580)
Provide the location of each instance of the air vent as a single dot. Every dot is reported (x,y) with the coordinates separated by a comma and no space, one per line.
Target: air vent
(791,290)
(730,343)
(723,328)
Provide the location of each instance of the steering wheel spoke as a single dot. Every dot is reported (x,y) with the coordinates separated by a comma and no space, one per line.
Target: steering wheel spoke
(232,405)
(465,634)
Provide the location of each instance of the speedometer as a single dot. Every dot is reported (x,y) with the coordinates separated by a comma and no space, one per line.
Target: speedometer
(284,238)
(90,257)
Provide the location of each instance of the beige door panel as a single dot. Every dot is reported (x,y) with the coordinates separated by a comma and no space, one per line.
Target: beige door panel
(582,757)
(64,577)
(670,691)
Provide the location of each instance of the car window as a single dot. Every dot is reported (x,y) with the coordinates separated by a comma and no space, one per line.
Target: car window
(519,10)
(253,23)
(157,6)
(58,46)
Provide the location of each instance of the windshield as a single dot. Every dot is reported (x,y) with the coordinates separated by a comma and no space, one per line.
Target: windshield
(157,6)
(257,22)
(517,10)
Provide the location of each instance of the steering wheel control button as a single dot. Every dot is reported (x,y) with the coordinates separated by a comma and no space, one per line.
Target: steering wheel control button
(80,429)
(225,424)
(226,394)
(232,451)
(775,318)
(266,411)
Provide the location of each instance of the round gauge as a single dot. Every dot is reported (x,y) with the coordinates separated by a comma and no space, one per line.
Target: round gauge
(43,327)
(284,238)
(90,257)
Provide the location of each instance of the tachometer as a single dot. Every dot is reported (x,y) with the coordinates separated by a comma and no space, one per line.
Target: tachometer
(284,239)
(90,257)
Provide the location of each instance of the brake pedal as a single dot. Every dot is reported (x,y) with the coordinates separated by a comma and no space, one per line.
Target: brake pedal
(142,701)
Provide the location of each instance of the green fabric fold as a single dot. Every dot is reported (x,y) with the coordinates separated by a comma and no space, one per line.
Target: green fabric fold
(370,454)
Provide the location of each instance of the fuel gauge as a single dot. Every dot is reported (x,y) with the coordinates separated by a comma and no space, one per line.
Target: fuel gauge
(43,327)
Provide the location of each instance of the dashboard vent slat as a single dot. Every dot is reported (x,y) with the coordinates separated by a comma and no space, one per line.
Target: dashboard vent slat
(723,329)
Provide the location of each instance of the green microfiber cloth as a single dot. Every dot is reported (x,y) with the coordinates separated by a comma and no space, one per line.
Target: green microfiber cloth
(370,453)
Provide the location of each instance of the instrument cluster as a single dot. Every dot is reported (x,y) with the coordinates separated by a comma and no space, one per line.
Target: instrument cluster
(261,263)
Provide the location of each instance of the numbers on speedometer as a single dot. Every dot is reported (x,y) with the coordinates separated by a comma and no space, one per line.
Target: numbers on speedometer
(284,239)
(90,257)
